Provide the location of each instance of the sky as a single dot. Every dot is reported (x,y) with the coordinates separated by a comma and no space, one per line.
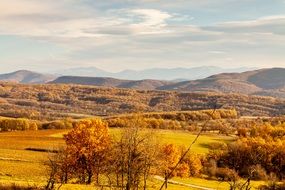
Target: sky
(114,35)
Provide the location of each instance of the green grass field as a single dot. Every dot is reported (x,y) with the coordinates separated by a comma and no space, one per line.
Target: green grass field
(21,166)
(213,183)
(180,138)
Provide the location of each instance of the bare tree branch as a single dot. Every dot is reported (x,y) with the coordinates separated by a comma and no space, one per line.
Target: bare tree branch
(215,106)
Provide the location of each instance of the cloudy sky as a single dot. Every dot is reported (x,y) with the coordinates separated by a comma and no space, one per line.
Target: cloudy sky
(49,35)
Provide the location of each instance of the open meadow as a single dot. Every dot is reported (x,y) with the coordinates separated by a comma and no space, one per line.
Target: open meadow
(22,166)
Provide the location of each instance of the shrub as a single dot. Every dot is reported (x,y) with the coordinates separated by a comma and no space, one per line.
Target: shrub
(226,174)
(257,173)
(11,124)
(61,124)
(217,146)
(210,168)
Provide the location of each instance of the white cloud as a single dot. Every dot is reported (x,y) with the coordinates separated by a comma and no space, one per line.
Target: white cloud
(152,17)
(153,21)
(278,19)
(56,19)
(146,35)
(274,24)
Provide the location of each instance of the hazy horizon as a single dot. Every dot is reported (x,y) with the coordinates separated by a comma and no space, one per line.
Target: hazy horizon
(56,71)
(113,35)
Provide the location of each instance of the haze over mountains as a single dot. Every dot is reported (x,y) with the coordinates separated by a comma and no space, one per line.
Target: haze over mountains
(154,74)
(265,82)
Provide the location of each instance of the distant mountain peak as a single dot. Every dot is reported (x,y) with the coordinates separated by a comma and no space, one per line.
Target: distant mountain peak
(26,76)
(152,73)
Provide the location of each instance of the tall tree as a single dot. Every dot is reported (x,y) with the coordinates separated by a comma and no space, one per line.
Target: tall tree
(87,145)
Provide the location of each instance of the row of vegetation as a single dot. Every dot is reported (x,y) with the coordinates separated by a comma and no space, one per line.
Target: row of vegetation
(22,124)
(224,122)
(173,120)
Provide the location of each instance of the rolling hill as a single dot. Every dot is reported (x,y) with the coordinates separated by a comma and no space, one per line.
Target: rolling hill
(269,82)
(264,82)
(24,76)
(112,82)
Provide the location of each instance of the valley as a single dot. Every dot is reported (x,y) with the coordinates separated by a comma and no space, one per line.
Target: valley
(142,95)
(222,111)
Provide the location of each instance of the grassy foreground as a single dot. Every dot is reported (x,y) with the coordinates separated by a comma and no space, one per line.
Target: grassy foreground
(212,183)
(180,138)
(24,167)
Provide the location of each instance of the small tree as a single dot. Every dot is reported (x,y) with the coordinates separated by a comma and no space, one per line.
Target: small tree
(136,156)
(58,168)
(170,156)
(194,162)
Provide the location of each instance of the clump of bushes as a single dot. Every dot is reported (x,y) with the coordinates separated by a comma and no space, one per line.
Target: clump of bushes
(258,152)
(11,124)
(59,124)
(20,124)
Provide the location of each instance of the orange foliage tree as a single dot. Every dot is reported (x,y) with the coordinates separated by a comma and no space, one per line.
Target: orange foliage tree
(87,146)
(170,157)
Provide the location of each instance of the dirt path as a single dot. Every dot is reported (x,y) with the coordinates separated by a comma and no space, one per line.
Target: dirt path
(183,184)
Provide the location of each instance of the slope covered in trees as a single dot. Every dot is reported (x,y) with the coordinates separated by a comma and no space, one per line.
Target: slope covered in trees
(52,101)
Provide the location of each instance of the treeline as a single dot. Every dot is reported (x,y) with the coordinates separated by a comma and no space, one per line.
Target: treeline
(10,124)
(189,120)
(54,101)
(258,154)
(188,116)
(166,120)
(22,124)
(223,121)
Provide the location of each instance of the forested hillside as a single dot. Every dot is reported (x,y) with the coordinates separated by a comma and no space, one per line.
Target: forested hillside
(52,101)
